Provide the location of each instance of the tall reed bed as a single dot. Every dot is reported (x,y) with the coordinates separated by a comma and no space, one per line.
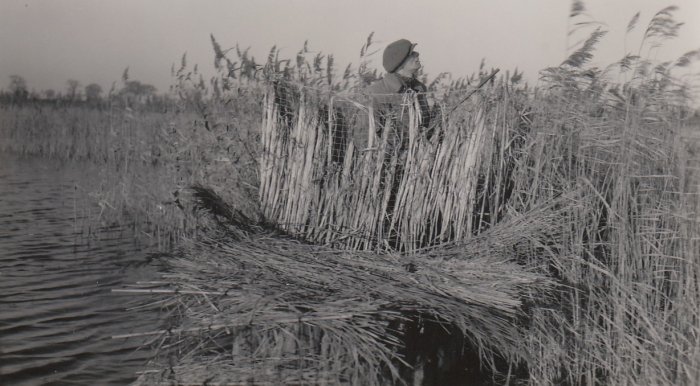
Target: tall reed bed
(628,313)
(147,160)
(631,256)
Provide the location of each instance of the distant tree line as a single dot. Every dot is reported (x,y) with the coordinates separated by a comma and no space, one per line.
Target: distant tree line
(132,94)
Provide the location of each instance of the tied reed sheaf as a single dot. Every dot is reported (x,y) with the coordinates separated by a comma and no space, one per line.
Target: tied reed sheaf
(320,182)
(580,194)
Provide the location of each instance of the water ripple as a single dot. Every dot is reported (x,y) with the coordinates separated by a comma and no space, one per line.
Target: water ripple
(57,313)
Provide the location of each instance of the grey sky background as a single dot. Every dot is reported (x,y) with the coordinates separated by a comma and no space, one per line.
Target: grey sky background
(50,41)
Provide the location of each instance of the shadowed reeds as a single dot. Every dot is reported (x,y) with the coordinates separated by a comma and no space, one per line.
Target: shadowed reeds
(280,309)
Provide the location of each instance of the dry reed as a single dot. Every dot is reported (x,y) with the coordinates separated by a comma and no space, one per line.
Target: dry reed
(624,254)
(317,180)
(286,311)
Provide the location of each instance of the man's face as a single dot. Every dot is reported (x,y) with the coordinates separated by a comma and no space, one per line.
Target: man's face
(412,64)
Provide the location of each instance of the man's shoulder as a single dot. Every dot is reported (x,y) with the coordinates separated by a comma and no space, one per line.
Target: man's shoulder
(388,84)
(379,86)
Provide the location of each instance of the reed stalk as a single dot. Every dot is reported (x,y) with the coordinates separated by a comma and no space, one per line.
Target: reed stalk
(369,199)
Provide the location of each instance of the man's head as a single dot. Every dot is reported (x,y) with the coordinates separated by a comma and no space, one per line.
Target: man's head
(399,57)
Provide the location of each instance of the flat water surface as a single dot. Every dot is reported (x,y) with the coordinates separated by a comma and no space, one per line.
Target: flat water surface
(57,311)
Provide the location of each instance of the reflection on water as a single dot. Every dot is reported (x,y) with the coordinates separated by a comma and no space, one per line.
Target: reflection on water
(57,313)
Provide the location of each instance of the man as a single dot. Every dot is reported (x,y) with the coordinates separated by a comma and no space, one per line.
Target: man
(391,97)
(402,64)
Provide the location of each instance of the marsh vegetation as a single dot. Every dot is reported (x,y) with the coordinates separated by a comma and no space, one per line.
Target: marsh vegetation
(555,228)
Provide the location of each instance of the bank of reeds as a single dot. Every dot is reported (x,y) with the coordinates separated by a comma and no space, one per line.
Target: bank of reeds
(630,253)
(628,257)
(146,158)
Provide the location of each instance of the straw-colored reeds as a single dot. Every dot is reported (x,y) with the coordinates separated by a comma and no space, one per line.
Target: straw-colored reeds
(625,254)
(317,185)
(631,245)
(262,307)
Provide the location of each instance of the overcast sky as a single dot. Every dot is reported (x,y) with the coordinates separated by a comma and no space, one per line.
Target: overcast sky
(50,41)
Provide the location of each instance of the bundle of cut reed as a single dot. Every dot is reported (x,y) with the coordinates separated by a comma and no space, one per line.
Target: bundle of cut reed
(326,189)
(261,307)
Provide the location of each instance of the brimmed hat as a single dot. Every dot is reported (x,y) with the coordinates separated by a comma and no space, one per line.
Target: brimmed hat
(396,53)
